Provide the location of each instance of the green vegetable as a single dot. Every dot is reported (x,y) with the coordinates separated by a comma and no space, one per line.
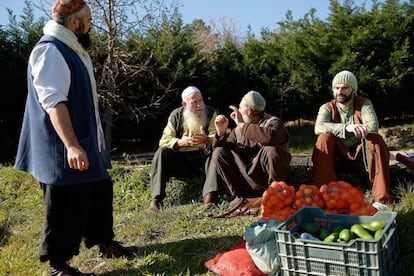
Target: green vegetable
(311,228)
(361,232)
(345,235)
(338,229)
(323,233)
(333,237)
(377,234)
(375,225)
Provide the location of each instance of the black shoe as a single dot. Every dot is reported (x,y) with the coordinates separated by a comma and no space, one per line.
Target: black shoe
(113,250)
(64,269)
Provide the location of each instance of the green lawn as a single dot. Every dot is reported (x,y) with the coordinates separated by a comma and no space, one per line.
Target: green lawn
(175,242)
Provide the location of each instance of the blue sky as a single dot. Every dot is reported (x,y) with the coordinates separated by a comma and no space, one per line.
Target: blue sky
(256,13)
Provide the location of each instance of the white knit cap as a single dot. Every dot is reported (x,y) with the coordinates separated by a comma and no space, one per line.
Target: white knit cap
(189,90)
(345,77)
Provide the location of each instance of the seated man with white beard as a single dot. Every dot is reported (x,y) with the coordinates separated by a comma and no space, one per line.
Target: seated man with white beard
(185,144)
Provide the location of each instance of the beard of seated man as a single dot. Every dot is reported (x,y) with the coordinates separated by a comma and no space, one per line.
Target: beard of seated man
(193,121)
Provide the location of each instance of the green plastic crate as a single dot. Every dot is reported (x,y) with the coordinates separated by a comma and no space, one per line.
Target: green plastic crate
(361,257)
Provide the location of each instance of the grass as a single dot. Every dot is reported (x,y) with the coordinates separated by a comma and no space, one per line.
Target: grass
(177,241)
(302,139)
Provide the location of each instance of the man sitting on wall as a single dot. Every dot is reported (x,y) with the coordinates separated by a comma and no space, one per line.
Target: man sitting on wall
(347,129)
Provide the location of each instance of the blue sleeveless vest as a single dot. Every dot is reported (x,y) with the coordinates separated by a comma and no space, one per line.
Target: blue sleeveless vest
(40,151)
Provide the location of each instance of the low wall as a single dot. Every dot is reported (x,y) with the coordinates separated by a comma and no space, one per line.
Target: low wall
(398,137)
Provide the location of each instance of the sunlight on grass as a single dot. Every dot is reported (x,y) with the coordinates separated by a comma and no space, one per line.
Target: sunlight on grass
(175,242)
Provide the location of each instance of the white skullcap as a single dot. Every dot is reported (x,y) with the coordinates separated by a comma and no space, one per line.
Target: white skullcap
(189,90)
(254,100)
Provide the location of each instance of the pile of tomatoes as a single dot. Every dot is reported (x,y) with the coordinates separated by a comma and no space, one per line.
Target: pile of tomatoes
(309,195)
(277,201)
(340,197)
(281,200)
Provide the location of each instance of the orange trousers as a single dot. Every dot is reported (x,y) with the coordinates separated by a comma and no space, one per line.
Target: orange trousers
(330,153)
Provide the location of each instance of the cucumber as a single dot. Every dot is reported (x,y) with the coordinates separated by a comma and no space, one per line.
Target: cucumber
(323,233)
(377,234)
(311,228)
(375,225)
(345,235)
(361,232)
(333,237)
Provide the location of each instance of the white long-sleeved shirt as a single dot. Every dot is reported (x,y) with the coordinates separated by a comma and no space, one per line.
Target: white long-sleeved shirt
(51,79)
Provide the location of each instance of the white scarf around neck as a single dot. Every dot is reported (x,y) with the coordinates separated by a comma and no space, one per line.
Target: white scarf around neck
(66,36)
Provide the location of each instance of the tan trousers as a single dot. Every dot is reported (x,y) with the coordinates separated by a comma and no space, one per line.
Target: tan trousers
(330,154)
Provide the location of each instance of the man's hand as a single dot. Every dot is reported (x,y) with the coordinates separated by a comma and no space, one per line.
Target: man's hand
(359,130)
(221,123)
(200,138)
(185,141)
(236,116)
(77,158)
(61,121)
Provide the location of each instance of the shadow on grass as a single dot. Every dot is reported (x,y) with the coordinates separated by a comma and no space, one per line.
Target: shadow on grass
(187,255)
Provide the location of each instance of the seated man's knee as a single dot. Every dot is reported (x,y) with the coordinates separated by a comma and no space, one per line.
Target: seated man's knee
(164,152)
(163,155)
(270,152)
(325,139)
(375,138)
(219,153)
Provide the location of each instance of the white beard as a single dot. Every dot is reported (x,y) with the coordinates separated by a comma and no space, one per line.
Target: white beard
(246,118)
(192,122)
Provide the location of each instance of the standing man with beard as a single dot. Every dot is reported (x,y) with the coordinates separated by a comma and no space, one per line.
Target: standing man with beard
(184,146)
(347,129)
(62,143)
(254,154)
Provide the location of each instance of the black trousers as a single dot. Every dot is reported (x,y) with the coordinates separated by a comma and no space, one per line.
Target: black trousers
(167,163)
(73,213)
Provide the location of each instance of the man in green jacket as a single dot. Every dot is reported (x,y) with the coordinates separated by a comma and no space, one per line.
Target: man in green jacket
(347,129)
(185,144)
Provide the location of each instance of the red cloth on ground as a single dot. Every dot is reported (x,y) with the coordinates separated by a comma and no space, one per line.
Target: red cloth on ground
(236,261)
